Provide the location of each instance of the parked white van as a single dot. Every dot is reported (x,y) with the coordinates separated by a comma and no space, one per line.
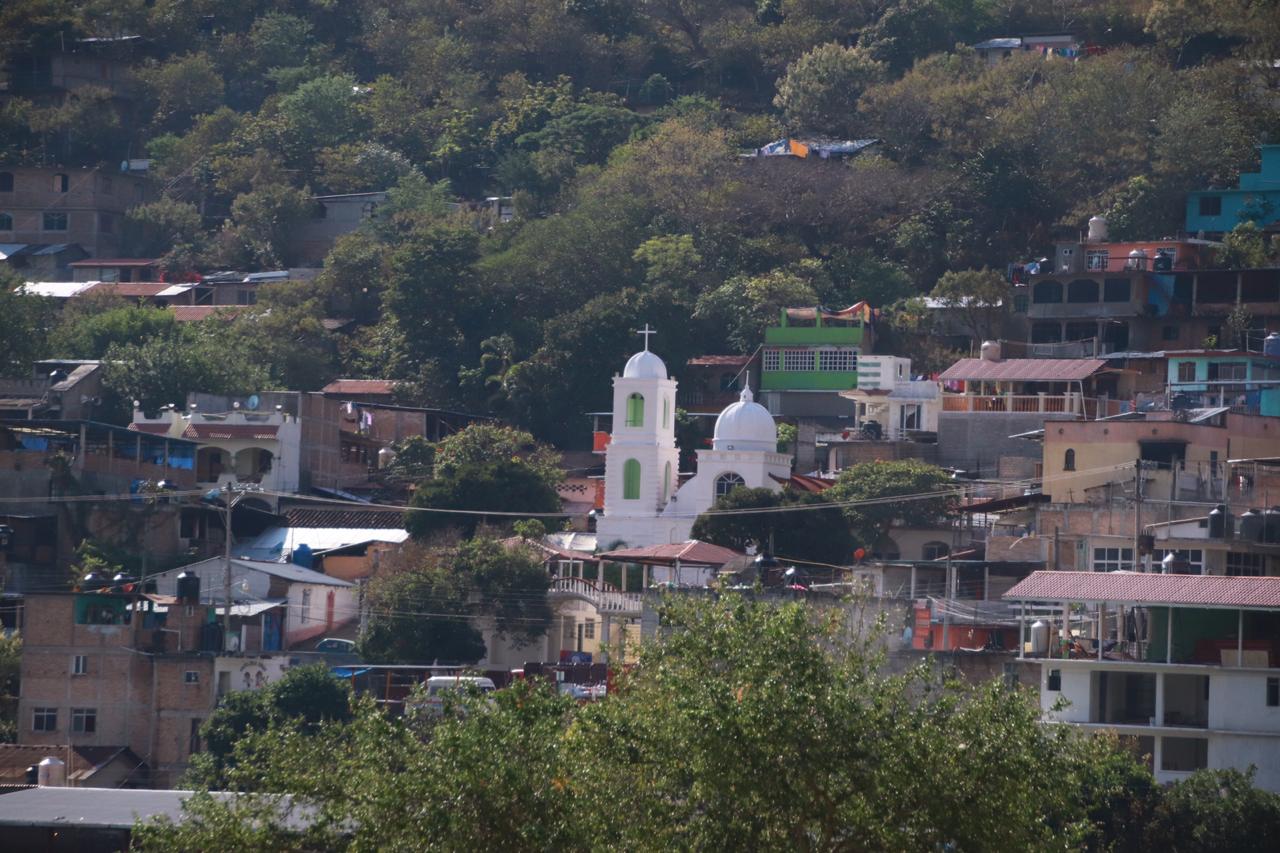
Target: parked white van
(438,686)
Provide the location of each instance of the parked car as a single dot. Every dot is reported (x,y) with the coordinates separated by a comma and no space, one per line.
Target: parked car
(440,686)
(336,646)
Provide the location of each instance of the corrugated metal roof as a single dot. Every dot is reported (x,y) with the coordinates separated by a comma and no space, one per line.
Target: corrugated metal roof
(111,808)
(57,289)
(1023,370)
(1150,589)
(720,361)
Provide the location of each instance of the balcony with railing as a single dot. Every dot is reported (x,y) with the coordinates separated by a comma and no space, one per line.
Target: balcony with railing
(1087,408)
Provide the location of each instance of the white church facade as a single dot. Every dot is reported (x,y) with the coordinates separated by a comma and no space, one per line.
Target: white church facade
(644,502)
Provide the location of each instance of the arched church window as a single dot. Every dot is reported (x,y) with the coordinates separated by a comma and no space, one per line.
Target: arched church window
(631,480)
(1069,460)
(727,482)
(666,412)
(666,482)
(635,410)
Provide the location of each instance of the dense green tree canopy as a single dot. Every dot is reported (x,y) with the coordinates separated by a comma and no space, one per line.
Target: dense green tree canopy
(745,726)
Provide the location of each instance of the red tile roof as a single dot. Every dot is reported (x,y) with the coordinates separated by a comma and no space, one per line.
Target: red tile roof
(151,429)
(130,288)
(720,361)
(193,313)
(359,386)
(692,553)
(83,760)
(230,431)
(1150,589)
(365,519)
(1023,369)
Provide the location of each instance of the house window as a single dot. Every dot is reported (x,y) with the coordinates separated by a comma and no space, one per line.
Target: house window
(1227,371)
(306,605)
(771,359)
(1069,460)
(1168,333)
(54,221)
(1273,692)
(1186,371)
(631,480)
(79,664)
(1193,558)
(797,360)
(843,360)
(1185,754)
(44,719)
(1251,565)
(1210,205)
(1046,333)
(1112,559)
(84,720)
(1020,301)
(727,482)
(909,417)
(1046,292)
(635,410)
(191,676)
(1082,290)
(935,550)
(6,222)
(61,183)
(6,182)
(1097,259)
(1055,680)
(1116,290)
(193,738)
(589,629)
(246,297)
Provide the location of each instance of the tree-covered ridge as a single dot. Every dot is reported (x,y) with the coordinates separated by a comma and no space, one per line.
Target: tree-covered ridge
(617,127)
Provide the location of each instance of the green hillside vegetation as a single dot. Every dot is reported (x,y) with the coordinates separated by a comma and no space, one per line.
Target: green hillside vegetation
(617,126)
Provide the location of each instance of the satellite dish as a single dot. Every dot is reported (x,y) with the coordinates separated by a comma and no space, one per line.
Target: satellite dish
(252,403)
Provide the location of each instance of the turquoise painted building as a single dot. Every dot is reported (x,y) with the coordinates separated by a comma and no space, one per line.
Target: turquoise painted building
(1242,379)
(815,350)
(1257,198)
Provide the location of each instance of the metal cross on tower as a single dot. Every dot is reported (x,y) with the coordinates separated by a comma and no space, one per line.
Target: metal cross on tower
(646,332)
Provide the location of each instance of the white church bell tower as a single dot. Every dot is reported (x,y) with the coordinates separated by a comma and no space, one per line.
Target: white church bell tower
(642,462)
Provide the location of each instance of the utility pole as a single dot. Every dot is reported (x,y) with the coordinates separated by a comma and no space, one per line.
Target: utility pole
(1137,513)
(228,496)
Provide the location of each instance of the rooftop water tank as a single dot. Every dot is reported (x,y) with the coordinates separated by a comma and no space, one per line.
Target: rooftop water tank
(51,773)
(990,351)
(1271,346)
(1271,525)
(1039,637)
(1097,229)
(1251,525)
(189,588)
(1219,522)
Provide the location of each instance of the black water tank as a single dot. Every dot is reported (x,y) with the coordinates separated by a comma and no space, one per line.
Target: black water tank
(1219,522)
(189,588)
(1271,525)
(1251,525)
(93,581)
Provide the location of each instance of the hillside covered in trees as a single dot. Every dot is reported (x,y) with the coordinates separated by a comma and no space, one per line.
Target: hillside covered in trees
(617,126)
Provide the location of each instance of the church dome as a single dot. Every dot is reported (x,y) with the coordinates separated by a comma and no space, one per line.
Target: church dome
(644,365)
(746,425)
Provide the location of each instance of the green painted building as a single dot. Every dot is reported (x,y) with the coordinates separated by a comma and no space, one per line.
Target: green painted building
(815,350)
(1246,380)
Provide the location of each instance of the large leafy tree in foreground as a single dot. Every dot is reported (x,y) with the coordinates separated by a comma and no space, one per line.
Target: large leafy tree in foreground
(747,725)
